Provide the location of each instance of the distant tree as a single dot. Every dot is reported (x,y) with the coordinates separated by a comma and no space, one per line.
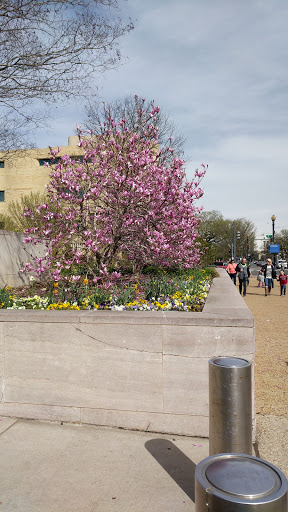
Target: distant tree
(128,108)
(52,49)
(219,235)
(212,226)
(282,239)
(15,219)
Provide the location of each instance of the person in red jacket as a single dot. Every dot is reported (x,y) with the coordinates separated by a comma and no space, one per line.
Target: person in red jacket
(283,282)
(231,269)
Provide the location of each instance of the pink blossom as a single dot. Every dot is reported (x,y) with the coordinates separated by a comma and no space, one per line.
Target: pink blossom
(75,279)
(124,202)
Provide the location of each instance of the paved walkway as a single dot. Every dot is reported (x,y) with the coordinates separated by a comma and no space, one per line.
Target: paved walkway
(49,467)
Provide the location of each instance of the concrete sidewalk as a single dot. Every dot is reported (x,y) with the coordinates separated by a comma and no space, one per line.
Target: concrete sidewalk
(53,467)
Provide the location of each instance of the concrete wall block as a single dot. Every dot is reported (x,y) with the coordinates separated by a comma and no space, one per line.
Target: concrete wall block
(41,412)
(56,365)
(185,382)
(140,338)
(207,341)
(2,363)
(13,255)
(181,424)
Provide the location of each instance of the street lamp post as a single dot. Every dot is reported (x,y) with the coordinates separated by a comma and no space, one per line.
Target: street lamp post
(273,218)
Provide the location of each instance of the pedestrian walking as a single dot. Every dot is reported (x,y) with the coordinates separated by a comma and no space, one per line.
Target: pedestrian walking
(231,269)
(243,272)
(283,282)
(269,275)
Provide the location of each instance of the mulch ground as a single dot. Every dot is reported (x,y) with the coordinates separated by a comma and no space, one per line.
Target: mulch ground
(271,360)
(271,372)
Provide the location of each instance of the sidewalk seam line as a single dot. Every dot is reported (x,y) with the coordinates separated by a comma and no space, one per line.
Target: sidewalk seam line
(18,419)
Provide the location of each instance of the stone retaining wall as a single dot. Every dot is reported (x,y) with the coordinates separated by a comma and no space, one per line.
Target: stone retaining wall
(13,256)
(136,370)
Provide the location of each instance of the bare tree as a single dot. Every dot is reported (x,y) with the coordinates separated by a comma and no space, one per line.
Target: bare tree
(52,49)
(128,108)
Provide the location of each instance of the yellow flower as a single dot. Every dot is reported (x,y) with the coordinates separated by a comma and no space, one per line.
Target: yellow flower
(52,306)
(85,281)
(56,285)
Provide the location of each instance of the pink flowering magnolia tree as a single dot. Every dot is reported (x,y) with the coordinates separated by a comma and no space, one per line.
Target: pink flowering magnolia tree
(125,203)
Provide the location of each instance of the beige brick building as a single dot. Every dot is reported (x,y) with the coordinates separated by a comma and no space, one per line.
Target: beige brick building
(23,171)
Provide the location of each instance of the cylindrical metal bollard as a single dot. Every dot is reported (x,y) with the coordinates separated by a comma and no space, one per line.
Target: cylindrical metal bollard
(230,406)
(230,482)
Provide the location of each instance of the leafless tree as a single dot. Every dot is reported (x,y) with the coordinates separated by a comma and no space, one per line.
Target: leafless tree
(127,109)
(54,49)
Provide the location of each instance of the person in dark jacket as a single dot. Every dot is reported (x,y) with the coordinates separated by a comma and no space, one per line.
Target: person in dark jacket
(243,272)
(269,274)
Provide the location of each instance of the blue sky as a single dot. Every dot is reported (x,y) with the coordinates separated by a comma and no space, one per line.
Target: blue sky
(219,69)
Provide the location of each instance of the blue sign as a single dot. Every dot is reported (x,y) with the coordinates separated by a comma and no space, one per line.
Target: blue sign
(274,248)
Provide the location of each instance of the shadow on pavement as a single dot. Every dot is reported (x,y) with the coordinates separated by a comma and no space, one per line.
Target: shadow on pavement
(254,293)
(175,463)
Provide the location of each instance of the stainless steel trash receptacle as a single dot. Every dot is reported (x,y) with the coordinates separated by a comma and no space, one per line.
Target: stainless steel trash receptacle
(239,483)
(230,405)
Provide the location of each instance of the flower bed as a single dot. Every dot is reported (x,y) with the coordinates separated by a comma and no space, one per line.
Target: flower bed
(145,371)
(158,292)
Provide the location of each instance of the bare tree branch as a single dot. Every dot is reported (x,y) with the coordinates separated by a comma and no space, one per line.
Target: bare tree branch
(127,108)
(50,49)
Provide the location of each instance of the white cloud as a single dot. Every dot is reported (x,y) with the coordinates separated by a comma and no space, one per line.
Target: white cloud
(220,70)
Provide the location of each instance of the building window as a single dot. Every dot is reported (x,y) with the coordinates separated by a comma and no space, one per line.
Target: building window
(2,195)
(50,161)
(1,164)
(43,161)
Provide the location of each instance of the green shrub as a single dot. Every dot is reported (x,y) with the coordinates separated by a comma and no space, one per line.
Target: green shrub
(6,300)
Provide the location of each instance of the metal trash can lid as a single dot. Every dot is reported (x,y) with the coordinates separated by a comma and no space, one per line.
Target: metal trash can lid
(240,477)
(243,477)
(230,362)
